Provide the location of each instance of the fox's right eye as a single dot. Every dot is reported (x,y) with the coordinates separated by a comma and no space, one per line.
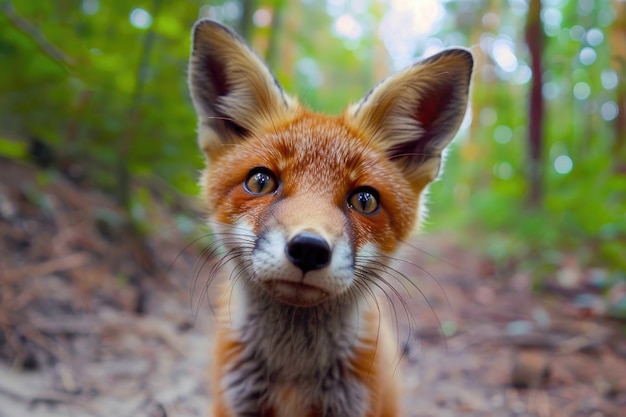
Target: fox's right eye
(260,181)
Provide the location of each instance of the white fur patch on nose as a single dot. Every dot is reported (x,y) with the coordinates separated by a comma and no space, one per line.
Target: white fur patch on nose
(290,283)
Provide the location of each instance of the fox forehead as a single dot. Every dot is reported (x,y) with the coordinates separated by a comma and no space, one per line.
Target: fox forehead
(317,153)
(318,162)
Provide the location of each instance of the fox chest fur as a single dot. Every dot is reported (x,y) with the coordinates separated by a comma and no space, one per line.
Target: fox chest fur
(307,212)
(297,362)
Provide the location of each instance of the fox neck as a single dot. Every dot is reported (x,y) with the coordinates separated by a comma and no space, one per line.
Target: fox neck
(294,360)
(288,335)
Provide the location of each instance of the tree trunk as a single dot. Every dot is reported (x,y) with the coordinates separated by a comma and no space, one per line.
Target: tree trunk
(245,23)
(535,42)
(278,19)
(124,141)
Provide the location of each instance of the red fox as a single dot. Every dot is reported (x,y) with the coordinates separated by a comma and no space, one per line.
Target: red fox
(308,210)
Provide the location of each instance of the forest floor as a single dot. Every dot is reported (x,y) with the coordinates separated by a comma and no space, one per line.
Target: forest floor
(96,322)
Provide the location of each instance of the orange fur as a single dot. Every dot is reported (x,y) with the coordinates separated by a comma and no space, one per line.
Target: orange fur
(308,209)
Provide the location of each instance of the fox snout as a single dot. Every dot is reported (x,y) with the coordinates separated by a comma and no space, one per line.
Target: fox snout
(303,265)
(308,251)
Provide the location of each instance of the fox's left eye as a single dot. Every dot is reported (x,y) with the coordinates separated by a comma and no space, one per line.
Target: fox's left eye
(364,200)
(260,181)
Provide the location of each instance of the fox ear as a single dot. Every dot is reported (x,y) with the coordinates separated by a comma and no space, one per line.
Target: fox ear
(233,92)
(415,113)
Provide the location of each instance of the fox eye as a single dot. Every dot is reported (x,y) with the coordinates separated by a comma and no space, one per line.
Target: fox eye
(260,181)
(364,200)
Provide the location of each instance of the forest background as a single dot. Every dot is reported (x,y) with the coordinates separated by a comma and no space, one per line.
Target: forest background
(536,179)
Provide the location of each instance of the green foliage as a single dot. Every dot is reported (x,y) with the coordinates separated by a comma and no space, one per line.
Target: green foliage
(583,210)
(12,149)
(72,76)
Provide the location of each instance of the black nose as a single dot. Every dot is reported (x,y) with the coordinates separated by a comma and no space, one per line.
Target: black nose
(308,251)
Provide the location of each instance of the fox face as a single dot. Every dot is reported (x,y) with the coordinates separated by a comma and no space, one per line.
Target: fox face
(312,197)
(309,208)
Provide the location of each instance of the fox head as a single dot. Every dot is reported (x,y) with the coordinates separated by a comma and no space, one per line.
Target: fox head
(311,203)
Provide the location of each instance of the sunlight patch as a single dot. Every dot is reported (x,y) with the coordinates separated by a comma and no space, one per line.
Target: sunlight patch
(563,164)
(348,27)
(140,18)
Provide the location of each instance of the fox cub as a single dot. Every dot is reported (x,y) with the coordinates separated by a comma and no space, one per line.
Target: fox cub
(308,209)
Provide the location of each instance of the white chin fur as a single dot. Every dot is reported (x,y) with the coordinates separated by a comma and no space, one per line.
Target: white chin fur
(287,283)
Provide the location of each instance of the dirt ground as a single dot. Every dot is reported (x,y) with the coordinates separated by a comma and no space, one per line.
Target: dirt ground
(95,321)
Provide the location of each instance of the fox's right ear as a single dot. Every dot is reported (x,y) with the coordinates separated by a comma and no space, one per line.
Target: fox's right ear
(234,93)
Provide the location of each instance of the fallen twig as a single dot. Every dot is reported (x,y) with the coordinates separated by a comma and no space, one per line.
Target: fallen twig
(64,263)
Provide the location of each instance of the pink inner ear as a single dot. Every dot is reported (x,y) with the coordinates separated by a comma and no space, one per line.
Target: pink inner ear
(217,78)
(435,102)
(433,113)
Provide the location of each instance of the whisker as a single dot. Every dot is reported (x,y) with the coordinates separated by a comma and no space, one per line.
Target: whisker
(367,290)
(234,242)
(420,268)
(399,277)
(241,272)
(392,307)
(429,254)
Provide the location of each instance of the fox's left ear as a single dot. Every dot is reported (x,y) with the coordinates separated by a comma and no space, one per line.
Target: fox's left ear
(415,113)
